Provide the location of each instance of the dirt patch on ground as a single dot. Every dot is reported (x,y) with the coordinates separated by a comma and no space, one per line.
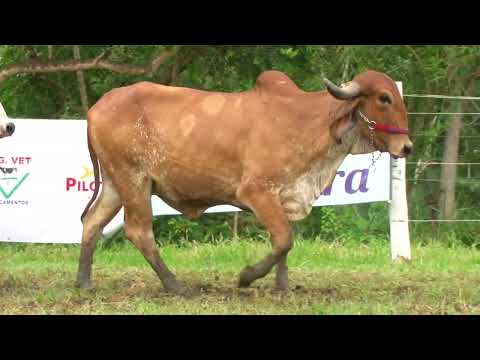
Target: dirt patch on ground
(140,292)
(215,287)
(218,292)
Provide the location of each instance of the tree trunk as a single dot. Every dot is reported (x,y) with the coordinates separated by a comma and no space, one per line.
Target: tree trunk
(235,225)
(81,81)
(447,203)
(174,72)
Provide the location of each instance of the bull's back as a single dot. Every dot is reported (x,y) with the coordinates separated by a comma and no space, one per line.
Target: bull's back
(191,141)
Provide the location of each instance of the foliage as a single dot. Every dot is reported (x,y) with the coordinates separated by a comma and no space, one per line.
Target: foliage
(422,69)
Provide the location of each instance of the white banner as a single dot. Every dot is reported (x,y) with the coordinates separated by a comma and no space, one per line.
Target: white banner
(46,179)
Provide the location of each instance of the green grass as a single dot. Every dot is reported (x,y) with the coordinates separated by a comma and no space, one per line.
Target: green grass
(324,279)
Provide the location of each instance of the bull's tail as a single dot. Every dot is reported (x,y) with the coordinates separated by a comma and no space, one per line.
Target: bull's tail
(94,159)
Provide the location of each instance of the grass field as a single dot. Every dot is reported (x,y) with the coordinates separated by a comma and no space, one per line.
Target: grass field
(324,279)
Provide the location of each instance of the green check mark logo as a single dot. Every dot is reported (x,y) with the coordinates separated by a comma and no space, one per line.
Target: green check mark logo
(7,195)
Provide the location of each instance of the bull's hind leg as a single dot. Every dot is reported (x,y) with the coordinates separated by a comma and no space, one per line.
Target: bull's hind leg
(281,278)
(269,211)
(105,208)
(138,229)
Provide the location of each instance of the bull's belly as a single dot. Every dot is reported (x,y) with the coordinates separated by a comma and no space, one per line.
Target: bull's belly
(199,190)
(192,190)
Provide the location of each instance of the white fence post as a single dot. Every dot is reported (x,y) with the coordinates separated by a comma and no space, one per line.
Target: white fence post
(399,230)
(2,111)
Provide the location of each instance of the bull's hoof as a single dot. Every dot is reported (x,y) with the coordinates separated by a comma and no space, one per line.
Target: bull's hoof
(281,288)
(247,276)
(178,289)
(281,283)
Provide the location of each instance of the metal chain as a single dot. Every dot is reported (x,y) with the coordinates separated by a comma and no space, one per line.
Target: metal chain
(371,145)
(371,127)
(374,160)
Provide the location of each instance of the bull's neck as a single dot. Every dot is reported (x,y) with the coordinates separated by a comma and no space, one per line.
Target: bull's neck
(352,142)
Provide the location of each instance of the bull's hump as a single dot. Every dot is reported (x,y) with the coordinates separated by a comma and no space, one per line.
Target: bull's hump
(277,82)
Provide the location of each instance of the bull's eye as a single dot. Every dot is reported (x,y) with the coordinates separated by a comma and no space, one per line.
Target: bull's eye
(385,99)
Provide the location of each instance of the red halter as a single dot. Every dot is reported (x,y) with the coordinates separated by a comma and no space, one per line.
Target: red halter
(373,125)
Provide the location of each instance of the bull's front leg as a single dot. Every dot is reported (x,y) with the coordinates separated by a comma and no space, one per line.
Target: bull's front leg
(268,209)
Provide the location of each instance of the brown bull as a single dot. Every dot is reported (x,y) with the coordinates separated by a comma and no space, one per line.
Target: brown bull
(271,150)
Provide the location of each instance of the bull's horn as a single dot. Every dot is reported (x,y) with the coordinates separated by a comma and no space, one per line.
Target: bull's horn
(350,91)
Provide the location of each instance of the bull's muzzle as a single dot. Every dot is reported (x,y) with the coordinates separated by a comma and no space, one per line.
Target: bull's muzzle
(8,130)
(405,152)
(407,149)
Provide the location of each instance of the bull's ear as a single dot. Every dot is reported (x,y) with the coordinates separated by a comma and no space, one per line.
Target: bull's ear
(345,121)
(342,126)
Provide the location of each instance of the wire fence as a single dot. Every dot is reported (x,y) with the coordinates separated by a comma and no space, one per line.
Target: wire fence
(444,137)
(426,163)
(440,221)
(443,113)
(431,96)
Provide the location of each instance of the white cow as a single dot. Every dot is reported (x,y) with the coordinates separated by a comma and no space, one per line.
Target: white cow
(6,128)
